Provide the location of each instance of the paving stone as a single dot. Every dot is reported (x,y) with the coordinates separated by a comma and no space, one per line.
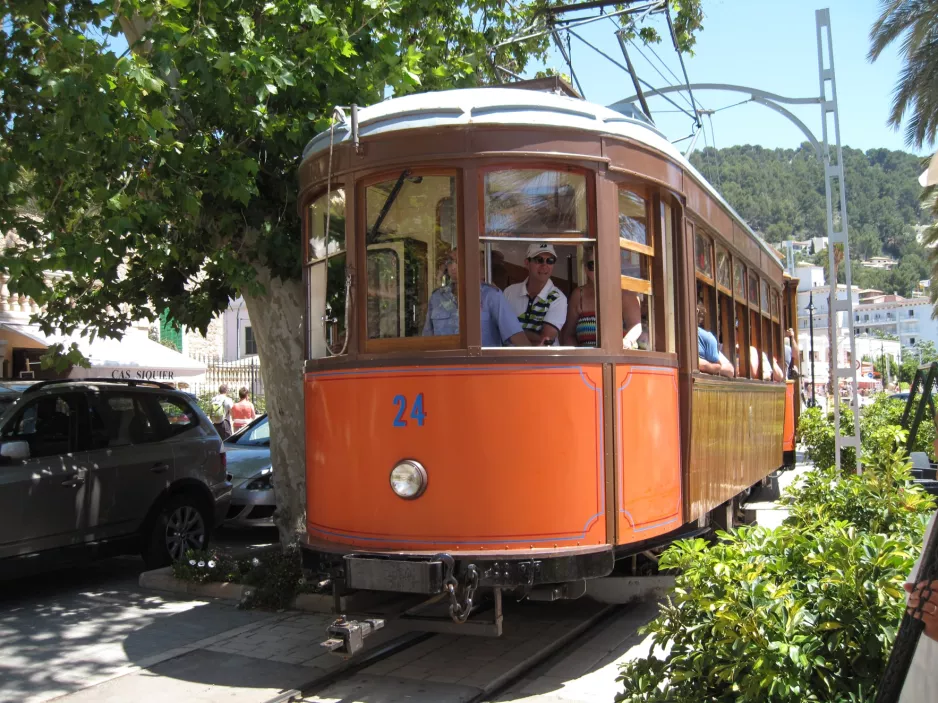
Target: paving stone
(393,689)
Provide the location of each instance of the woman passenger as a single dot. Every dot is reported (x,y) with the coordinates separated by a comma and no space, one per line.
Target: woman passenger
(580,328)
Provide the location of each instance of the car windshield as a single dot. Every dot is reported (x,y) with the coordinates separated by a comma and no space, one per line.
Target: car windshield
(6,400)
(257,434)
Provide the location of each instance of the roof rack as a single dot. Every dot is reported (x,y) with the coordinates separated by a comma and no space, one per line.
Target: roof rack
(128,381)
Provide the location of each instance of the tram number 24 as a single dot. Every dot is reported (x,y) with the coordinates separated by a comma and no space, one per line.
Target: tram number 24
(416,413)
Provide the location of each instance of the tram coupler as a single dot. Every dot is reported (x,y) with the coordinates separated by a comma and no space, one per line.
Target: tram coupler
(348,636)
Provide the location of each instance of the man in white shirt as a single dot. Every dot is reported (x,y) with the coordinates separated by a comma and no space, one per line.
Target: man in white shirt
(540,306)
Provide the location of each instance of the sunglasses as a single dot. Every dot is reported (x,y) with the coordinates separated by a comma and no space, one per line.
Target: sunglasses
(549,261)
(590,265)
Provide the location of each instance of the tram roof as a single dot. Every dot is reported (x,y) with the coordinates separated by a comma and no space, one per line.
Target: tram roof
(512,106)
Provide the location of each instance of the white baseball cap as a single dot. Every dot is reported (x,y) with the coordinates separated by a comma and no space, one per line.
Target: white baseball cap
(540,248)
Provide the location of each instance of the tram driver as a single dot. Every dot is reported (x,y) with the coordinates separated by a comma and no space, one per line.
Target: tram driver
(540,306)
(709,357)
(500,326)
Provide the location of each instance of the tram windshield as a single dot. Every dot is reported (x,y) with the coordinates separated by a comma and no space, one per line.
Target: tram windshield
(410,231)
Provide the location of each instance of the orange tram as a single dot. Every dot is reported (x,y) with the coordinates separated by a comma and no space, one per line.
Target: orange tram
(452,458)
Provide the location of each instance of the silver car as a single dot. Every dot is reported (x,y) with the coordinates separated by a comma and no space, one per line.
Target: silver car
(101,467)
(251,473)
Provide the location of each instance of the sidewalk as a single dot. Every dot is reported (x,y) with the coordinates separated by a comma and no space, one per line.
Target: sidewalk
(108,641)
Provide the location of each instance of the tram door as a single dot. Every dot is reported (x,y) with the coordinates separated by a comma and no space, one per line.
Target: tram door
(397,288)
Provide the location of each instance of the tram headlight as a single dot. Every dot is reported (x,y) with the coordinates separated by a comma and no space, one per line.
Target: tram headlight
(409,479)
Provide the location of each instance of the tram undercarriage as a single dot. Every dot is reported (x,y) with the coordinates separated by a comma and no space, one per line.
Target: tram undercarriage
(463,593)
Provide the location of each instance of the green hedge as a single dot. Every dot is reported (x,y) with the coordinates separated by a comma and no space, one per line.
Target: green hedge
(805,612)
(816,431)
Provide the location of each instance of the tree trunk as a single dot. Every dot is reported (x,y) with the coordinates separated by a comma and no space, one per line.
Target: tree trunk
(277,321)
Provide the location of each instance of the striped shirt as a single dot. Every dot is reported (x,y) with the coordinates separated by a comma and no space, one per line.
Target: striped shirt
(549,306)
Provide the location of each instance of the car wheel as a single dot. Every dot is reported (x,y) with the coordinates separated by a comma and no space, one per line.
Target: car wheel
(182,524)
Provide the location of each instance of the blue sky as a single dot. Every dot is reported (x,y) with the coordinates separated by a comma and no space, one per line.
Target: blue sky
(762,44)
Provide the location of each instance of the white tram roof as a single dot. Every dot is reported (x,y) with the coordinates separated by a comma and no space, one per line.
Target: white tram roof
(512,106)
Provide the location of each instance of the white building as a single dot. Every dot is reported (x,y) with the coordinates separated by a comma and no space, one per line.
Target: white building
(879,262)
(229,336)
(909,319)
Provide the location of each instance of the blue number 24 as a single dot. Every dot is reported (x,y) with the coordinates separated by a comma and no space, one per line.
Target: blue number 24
(417,413)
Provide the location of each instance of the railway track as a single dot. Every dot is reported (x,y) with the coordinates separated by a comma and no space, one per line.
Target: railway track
(396,666)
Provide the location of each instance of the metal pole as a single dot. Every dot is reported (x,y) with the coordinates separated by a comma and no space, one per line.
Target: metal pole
(811,327)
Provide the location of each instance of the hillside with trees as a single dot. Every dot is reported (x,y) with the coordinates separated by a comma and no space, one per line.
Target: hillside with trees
(780,193)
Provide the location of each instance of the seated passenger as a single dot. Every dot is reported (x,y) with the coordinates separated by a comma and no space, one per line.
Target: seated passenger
(635,335)
(500,326)
(709,358)
(771,371)
(753,363)
(580,328)
(539,305)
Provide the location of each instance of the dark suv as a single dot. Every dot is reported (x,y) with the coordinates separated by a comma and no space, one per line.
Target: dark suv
(102,467)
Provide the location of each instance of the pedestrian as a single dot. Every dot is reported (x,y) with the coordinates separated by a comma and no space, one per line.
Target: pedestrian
(243,411)
(221,411)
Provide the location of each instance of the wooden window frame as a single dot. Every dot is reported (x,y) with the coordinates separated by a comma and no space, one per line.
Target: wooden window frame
(754,304)
(702,275)
(629,283)
(540,165)
(481,237)
(743,281)
(718,248)
(418,343)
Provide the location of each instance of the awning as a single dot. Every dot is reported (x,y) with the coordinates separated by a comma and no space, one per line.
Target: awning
(135,356)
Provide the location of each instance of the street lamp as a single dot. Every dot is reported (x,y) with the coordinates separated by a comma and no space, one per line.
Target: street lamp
(811,352)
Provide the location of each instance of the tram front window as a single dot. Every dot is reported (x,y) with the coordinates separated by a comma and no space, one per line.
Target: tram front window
(534,249)
(410,230)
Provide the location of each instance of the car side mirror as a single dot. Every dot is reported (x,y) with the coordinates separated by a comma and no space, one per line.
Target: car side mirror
(14,450)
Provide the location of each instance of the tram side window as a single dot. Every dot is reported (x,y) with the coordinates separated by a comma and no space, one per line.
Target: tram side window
(740,285)
(711,357)
(771,370)
(777,346)
(725,313)
(536,249)
(755,328)
(410,237)
(325,260)
(636,253)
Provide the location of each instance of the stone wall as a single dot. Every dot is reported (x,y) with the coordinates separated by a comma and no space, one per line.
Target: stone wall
(211,345)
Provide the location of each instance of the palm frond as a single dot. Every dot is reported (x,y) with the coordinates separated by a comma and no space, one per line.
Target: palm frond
(916,95)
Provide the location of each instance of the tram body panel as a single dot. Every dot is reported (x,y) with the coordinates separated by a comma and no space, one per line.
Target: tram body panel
(788,432)
(736,440)
(648,452)
(513,454)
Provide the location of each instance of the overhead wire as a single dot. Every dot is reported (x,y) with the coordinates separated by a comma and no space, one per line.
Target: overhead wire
(663,77)
(680,56)
(616,63)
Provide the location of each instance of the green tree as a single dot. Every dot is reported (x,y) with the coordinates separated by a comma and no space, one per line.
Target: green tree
(915,24)
(164,177)
(922,353)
